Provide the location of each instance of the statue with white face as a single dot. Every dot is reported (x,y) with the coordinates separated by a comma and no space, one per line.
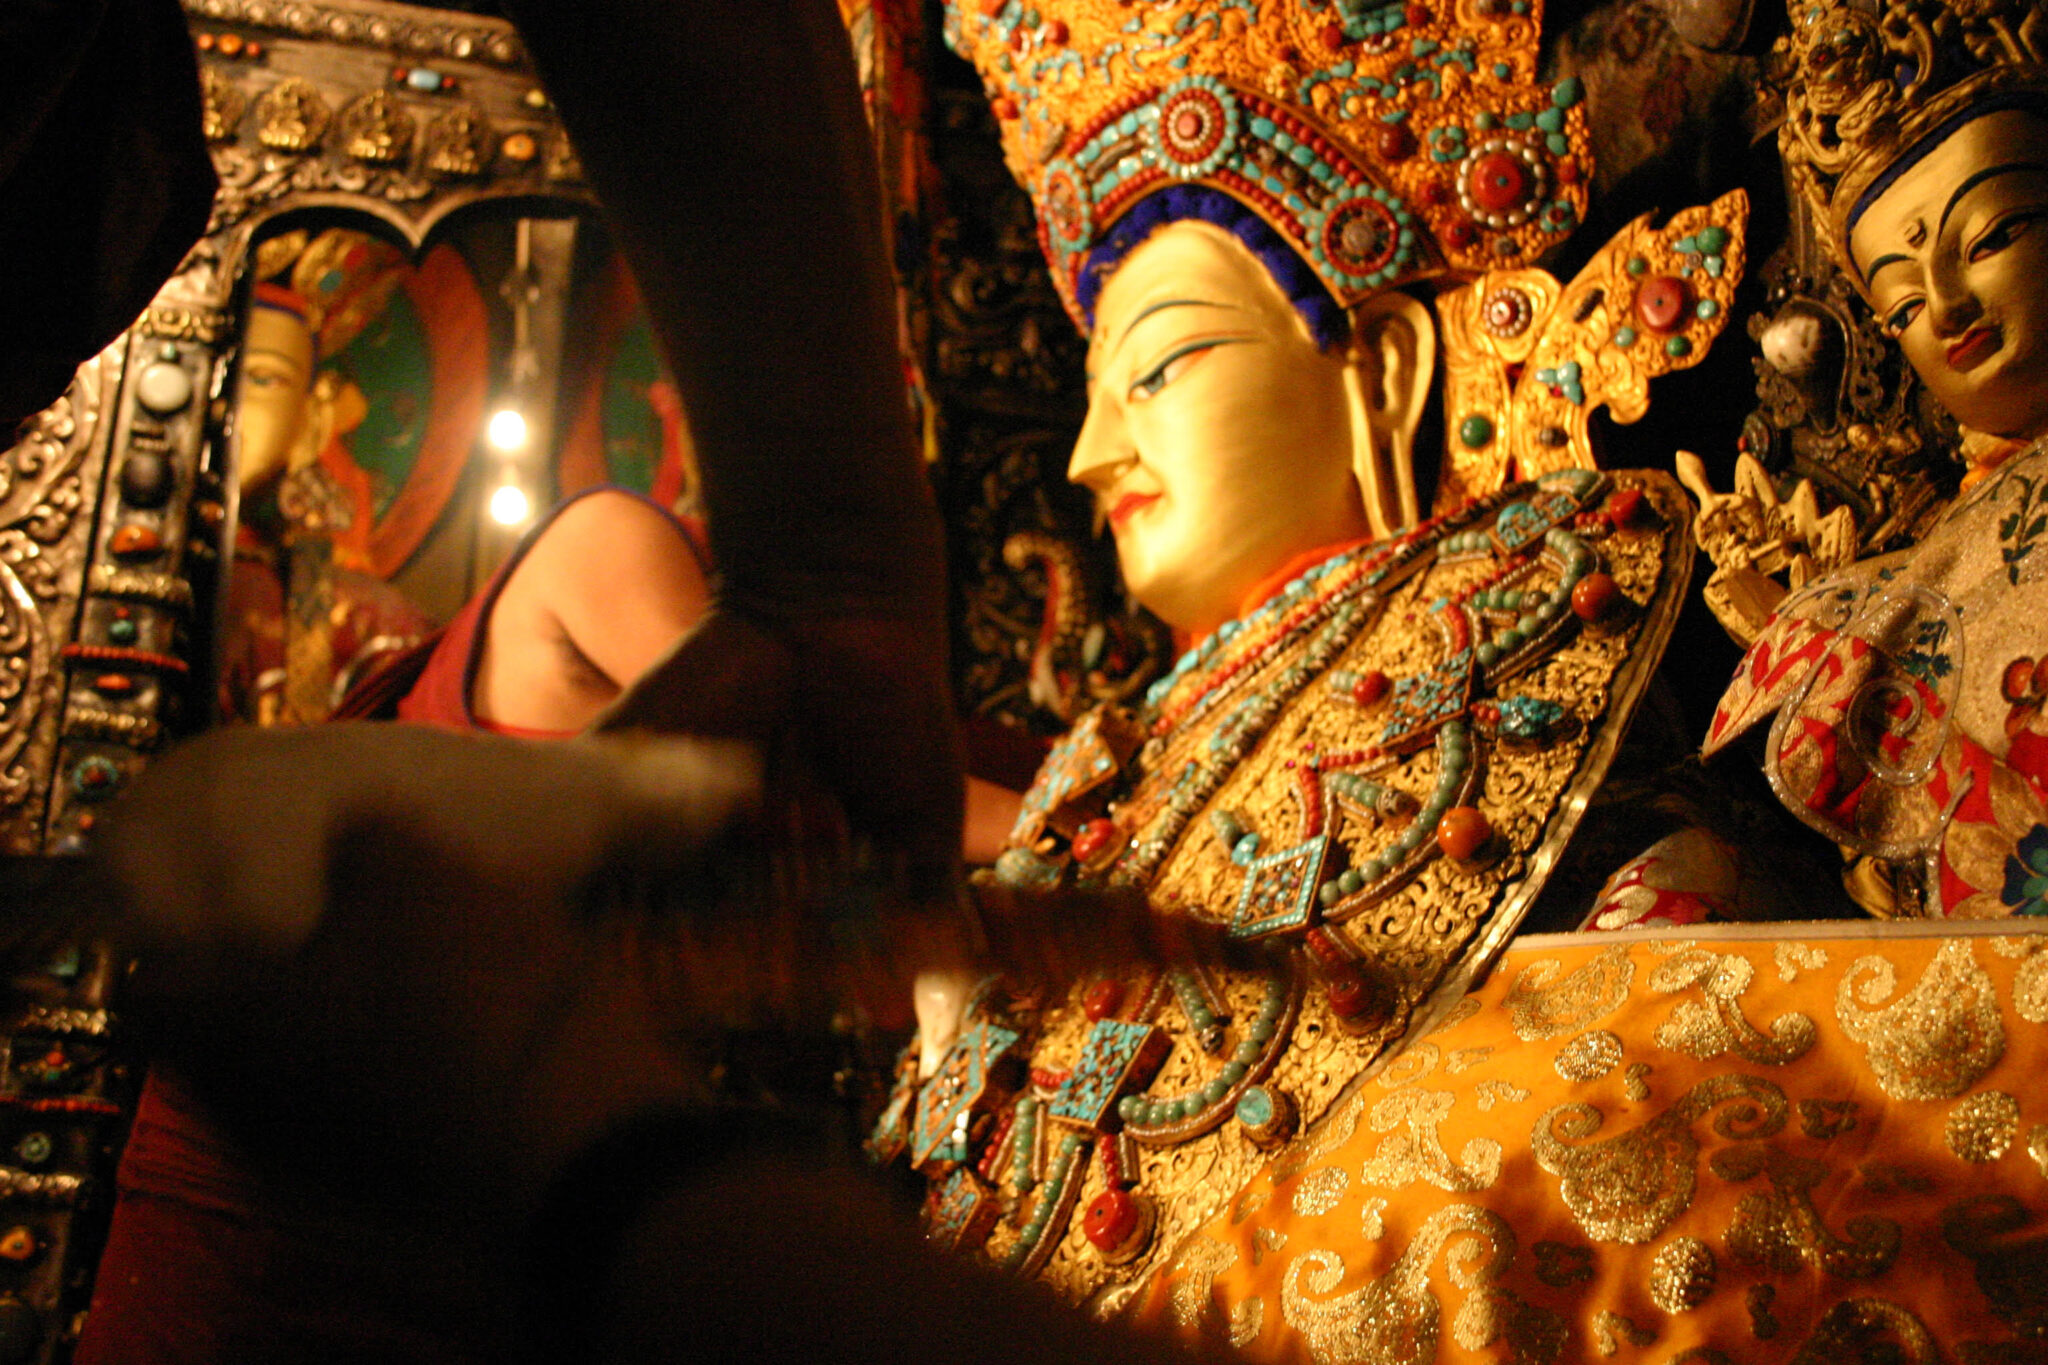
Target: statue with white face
(1954,259)
(1908,690)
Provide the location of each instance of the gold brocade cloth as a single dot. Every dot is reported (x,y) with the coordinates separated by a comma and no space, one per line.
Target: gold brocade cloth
(1791,1143)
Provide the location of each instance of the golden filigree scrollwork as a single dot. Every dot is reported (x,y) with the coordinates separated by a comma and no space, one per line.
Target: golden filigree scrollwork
(223,105)
(1490,1093)
(374,127)
(455,141)
(1561,1265)
(1193,1294)
(1630,1187)
(432,33)
(1936,1040)
(1868,1329)
(1714,1024)
(1793,958)
(1247,1319)
(1589,1056)
(1612,1331)
(1414,1151)
(1759,1299)
(1541,1006)
(1982,1127)
(1396,1319)
(171,322)
(291,116)
(1824,1120)
(1320,1191)
(1682,1275)
(1783,1232)
(2001,1237)
(25,662)
(2030,978)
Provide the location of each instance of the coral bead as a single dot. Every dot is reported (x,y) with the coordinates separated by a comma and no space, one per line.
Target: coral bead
(1111,1221)
(1499,182)
(1102,999)
(1095,838)
(1625,507)
(1595,597)
(1663,303)
(1370,688)
(1462,832)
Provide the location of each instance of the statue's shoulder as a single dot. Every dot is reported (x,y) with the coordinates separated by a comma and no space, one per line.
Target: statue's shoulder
(1370,775)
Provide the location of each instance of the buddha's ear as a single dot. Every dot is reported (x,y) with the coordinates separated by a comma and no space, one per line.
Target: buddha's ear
(1388,368)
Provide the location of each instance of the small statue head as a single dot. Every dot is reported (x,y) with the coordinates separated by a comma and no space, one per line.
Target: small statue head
(1234,199)
(314,294)
(1919,140)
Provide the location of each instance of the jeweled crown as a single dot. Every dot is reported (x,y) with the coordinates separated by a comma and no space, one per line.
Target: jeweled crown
(1865,88)
(337,281)
(1385,143)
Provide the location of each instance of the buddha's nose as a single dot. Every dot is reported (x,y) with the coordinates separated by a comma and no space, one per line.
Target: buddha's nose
(1102,448)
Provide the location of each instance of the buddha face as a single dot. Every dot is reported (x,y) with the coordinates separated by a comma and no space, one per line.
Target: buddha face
(277,377)
(1219,442)
(1955,258)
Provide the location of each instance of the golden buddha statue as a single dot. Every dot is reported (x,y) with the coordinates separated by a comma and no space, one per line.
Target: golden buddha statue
(1384,728)
(307,612)
(1783,1142)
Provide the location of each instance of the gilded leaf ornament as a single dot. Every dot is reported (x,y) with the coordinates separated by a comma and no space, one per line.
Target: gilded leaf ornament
(1396,1319)
(1630,1187)
(1936,1040)
(1414,1151)
(1198,1266)
(1868,1329)
(1715,1023)
(1541,1006)
(1783,1232)
(2001,1237)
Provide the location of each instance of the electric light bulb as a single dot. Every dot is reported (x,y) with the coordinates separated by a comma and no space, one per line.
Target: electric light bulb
(510,506)
(506,430)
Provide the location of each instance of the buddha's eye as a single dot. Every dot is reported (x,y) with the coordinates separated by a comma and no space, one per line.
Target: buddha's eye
(2004,233)
(1176,363)
(1901,317)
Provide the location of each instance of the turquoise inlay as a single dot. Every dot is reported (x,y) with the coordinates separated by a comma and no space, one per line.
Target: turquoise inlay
(1262,128)
(1566,92)
(1624,337)
(1521,122)
(1394,116)
(1558,144)
(1501,71)
(1550,120)
(1706,308)
(1715,265)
